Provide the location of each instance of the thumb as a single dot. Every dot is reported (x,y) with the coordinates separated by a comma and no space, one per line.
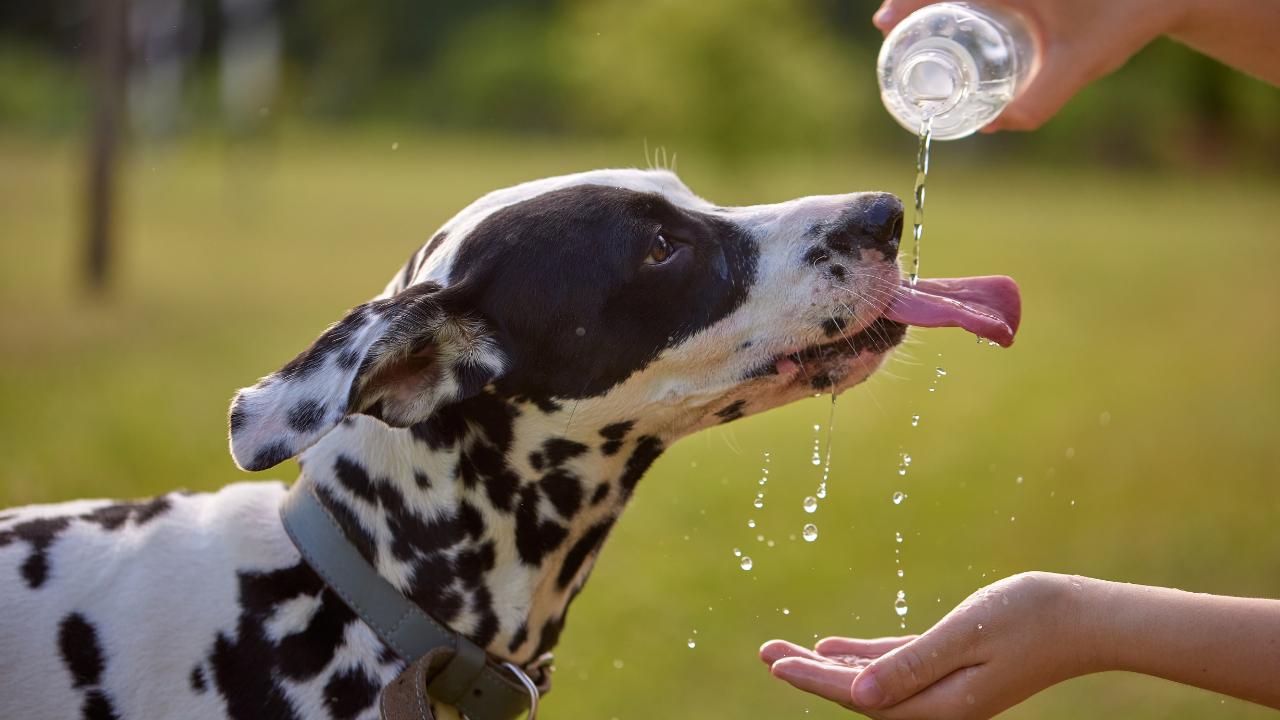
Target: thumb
(907,670)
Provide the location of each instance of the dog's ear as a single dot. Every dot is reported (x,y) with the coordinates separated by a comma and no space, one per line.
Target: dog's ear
(396,359)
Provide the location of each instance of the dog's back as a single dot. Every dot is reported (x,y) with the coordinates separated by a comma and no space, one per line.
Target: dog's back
(115,609)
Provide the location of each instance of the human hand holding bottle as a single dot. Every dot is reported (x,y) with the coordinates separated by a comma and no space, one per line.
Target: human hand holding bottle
(1018,636)
(1083,40)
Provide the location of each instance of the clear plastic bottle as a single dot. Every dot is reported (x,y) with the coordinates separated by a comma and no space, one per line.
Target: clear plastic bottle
(961,62)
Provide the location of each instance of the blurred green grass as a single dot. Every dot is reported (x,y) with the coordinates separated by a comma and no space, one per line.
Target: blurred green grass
(1147,297)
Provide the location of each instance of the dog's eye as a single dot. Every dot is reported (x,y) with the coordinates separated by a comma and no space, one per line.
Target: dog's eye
(662,251)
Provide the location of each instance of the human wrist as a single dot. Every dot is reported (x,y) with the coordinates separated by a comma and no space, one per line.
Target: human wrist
(1085,634)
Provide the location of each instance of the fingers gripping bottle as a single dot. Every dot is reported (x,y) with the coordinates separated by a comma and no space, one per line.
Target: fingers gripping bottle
(960,62)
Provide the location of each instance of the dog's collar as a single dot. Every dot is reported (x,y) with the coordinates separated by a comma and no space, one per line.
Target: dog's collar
(482,688)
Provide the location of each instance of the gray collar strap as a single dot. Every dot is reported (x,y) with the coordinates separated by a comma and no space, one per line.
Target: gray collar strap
(478,686)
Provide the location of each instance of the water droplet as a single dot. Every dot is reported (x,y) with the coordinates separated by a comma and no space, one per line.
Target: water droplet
(815,428)
(968,699)
(1071,452)
(899,573)
(580,332)
(979,339)
(817,459)
(822,490)
(746,563)
(906,458)
(1104,419)
(810,532)
(692,643)
(786,611)
(941,372)
(935,653)
(764,480)
(1019,479)
(759,503)
(810,504)
(751,523)
(1005,598)
(737,552)
(900,605)
(902,468)
(915,420)
(759,538)
(770,543)
(617,664)
(897,498)
(899,536)
(979,626)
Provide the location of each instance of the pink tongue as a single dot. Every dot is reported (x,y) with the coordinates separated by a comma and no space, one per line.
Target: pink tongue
(989,307)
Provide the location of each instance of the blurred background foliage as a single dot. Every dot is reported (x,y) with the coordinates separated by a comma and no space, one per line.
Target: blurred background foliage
(1129,434)
(726,76)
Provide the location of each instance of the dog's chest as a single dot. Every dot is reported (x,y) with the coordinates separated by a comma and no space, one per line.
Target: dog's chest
(194,606)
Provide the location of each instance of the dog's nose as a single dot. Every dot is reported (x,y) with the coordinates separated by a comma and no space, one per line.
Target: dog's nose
(872,221)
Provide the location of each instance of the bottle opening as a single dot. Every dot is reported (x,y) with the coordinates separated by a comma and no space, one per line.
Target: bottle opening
(933,81)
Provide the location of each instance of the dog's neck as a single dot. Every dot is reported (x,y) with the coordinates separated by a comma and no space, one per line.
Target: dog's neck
(488,515)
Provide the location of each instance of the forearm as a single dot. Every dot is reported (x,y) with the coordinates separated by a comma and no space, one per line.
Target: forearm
(1241,33)
(1224,644)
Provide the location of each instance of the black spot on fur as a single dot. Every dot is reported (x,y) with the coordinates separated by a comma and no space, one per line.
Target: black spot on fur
(536,461)
(431,246)
(548,406)
(97,706)
(306,416)
(421,480)
(268,456)
(487,620)
(551,630)
(617,431)
(351,526)
(815,255)
(838,272)
(471,565)
(834,326)
(238,418)
(611,447)
(350,692)
(471,520)
(821,381)
(304,654)
(197,679)
(602,492)
(558,450)
(732,411)
(534,538)
(564,491)
(41,534)
(521,634)
(244,665)
(115,516)
(355,478)
(335,338)
(78,643)
(647,450)
(443,429)
(581,550)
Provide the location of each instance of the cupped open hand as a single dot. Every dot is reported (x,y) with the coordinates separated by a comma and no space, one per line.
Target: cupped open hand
(1003,644)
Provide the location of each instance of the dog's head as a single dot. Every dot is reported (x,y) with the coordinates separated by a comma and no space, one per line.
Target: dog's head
(619,292)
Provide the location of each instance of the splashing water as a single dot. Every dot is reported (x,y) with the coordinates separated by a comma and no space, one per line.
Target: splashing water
(786,611)
(922,173)
(822,491)
(810,532)
(810,504)
(897,498)
(899,573)
(691,643)
(900,605)
(817,457)
(759,502)
(737,552)
(751,523)
(746,563)
(941,372)
(898,536)
(915,420)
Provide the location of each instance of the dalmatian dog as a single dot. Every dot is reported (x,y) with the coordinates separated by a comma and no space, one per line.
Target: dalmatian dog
(476,430)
